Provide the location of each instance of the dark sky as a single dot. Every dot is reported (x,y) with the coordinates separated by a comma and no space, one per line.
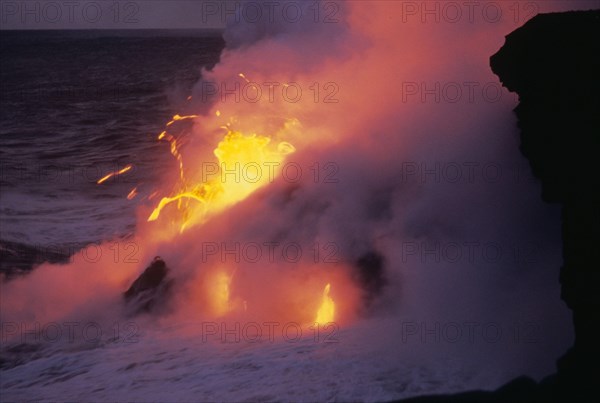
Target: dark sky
(113,14)
(182,14)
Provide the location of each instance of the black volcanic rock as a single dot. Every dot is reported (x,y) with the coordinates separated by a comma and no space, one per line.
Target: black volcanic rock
(553,63)
(522,389)
(151,290)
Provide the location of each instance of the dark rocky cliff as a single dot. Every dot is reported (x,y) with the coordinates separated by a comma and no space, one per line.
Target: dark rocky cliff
(553,64)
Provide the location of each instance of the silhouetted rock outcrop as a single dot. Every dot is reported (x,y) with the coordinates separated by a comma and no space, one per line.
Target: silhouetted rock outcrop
(552,63)
(150,290)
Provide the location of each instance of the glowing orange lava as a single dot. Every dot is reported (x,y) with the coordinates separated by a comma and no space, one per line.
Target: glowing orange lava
(326,313)
(132,194)
(245,163)
(115,173)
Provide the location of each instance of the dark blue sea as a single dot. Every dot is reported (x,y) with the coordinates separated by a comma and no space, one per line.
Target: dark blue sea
(77,105)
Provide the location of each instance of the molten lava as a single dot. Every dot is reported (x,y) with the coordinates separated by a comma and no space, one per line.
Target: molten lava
(326,313)
(132,194)
(115,173)
(245,163)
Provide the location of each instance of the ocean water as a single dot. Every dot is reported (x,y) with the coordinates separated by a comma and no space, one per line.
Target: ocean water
(190,369)
(77,105)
